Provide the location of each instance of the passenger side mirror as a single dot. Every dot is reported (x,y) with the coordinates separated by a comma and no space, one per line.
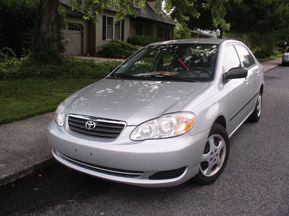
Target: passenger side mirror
(236,73)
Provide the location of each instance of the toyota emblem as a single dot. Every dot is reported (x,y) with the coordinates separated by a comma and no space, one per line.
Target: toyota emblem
(90,125)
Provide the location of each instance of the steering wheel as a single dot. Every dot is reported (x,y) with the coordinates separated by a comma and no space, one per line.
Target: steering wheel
(203,72)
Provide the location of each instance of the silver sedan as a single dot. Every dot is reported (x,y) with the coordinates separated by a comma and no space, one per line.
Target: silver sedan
(285,57)
(162,117)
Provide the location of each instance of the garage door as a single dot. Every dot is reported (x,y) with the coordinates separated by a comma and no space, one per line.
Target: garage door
(73,39)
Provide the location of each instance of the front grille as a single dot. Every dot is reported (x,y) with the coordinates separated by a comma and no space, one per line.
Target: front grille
(103,128)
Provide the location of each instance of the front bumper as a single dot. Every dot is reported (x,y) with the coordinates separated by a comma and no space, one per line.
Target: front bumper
(127,161)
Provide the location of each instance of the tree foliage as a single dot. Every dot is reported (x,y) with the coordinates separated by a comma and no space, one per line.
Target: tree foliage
(182,31)
(262,23)
(92,8)
(204,14)
(193,13)
(16,24)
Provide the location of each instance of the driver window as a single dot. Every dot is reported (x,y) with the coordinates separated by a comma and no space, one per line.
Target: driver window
(245,56)
(231,59)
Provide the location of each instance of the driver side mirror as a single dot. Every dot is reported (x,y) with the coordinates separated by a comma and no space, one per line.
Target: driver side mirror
(236,73)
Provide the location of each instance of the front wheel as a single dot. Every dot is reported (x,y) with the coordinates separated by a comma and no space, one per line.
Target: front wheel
(256,114)
(215,156)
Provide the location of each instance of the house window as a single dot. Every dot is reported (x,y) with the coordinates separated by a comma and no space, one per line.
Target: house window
(163,33)
(117,31)
(109,27)
(139,28)
(74,27)
(113,30)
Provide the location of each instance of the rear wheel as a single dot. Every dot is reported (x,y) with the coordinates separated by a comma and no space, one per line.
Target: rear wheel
(256,114)
(215,156)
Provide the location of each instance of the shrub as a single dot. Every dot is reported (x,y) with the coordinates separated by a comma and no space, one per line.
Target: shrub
(15,68)
(17,19)
(262,53)
(116,49)
(9,63)
(6,53)
(140,40)
(262,45)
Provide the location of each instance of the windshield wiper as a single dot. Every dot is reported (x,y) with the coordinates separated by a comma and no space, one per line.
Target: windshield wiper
(120,76)
(156,77)
(180,79)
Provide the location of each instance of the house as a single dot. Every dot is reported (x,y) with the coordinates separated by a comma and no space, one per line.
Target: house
(83,37)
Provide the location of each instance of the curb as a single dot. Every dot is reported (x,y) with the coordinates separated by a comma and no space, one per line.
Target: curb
(26,172)
(271,68)
(269,65)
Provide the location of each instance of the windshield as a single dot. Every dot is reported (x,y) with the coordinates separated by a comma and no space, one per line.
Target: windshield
(172,62)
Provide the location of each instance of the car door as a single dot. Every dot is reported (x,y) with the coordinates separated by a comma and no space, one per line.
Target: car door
(236,90)
(253,77)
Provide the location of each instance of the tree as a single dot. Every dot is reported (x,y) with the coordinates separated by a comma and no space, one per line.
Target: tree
(91,8)
(261,23)
(16,24)
(203,14)
(182,31)
(50,24)
(47,38)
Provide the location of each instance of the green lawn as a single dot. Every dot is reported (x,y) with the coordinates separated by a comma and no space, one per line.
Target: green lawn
(20,99)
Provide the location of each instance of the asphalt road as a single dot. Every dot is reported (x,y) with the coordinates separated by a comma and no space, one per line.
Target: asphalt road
(255,181)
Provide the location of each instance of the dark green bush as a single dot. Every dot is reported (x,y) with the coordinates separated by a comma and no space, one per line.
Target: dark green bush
(141,40)
(9,63)
(6,53)
(116,49)
(262,53)
(17,19)
(14,68)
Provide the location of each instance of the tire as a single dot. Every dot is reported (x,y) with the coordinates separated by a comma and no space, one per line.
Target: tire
(256,114)
(215,156)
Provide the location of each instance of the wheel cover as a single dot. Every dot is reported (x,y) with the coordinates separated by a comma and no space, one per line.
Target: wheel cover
(213,156)
(259,106)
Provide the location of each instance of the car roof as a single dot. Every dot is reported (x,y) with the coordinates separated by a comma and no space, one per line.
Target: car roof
(192,41)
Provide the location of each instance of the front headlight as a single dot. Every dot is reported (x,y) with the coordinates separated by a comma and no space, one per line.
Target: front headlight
(166,126)
(60,111)
(60,115)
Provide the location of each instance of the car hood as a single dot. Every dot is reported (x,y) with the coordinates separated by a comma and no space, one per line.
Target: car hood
(132,101)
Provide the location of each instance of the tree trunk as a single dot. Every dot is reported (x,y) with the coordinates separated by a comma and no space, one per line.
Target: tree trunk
(221,33)
(50,28)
